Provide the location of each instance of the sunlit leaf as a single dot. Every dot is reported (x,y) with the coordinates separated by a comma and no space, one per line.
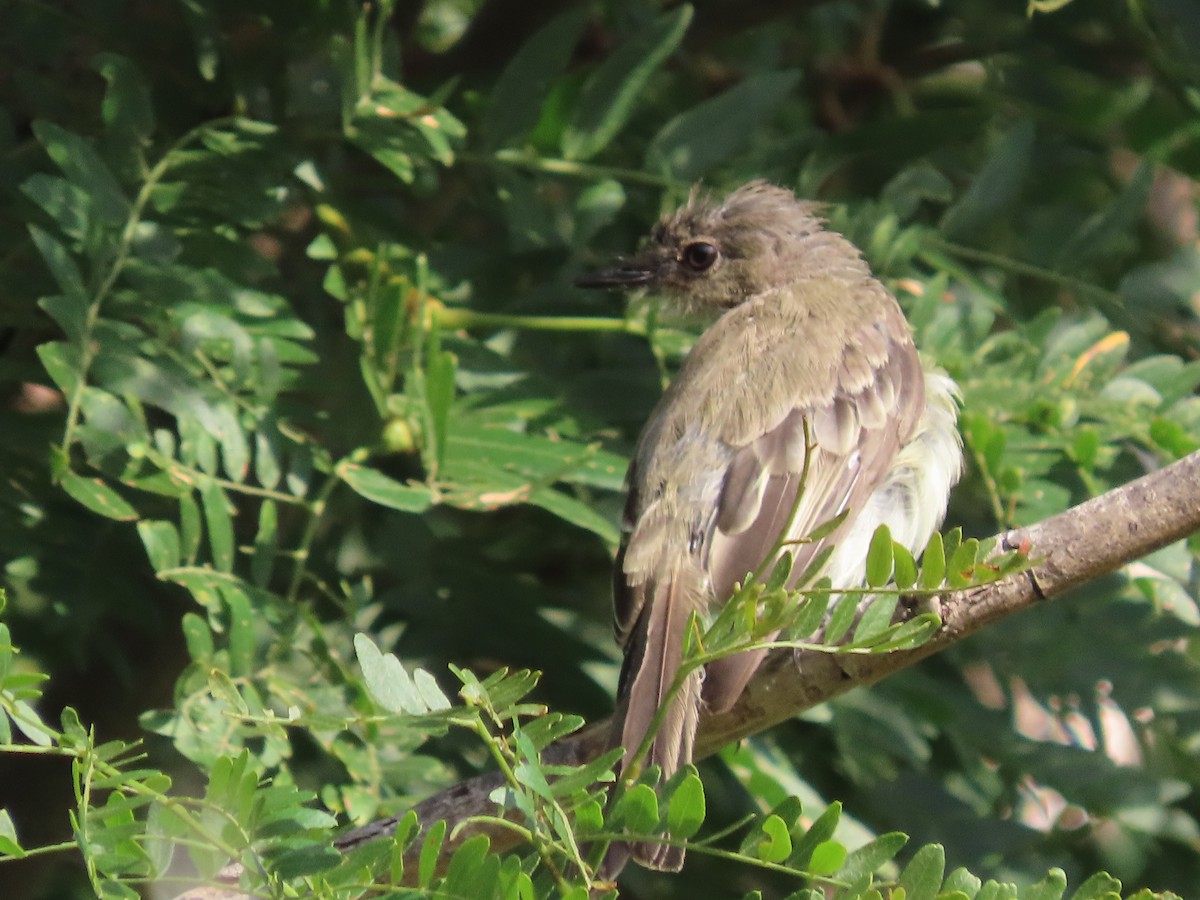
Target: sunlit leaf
(922,877)
(685,809)
(776,844)
(880,558)
(826,858)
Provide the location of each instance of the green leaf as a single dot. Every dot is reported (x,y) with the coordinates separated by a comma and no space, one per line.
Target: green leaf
(1100,886)
(685,809)
(933,564)
(219,521)
(827,527)
(428,690)
(694,142)
(62,363)
(474,444)
(778,577)
(73,732)
(922,877)
(387,681)
(827,857)
(268,452)
(439,398)
(68,309)
(915,184)
(518,97)
(875,618)
(97,496)
(30,724)
(222,422)
(127,108)
(379,488)
(198,637)
(64,202)
(397,126)
(790,810)
(596,207)
(84,168)
(1113,220)
(531,775)
(307,859)
(1085,447)
(608,97)
(995,187)
(880,557)
(502,689)
(544,730)
(430,852)
(589,818)
(872,855)
(266,544)
(961,567)
(9,844)
(841,618)
(242,641)
(638,808)
(161,540)
(962,881)
(571,779)
(906,635)
(406,832)
(776,845)
(472,872)
(576,512)
(190,530)
(905,574)
(814,568)
(1052,887)
(821,830)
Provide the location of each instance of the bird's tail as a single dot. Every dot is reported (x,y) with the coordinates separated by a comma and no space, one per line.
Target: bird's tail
(652,662)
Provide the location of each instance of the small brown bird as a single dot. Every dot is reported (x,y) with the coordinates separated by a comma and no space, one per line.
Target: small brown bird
(801,340)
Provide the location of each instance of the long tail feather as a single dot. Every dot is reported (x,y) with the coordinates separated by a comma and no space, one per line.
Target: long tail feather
(653,662)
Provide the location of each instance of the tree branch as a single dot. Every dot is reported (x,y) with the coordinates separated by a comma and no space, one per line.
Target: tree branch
(1084,543)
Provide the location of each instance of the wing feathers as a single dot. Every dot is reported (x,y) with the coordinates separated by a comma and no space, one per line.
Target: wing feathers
(742,493)
(835,427)
(856,437)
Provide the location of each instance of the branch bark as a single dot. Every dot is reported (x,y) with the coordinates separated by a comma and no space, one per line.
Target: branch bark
(1084,543)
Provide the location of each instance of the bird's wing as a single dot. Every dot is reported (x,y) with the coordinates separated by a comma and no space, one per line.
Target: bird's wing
(853,438)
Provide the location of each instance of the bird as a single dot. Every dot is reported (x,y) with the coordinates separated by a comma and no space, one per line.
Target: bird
(806,364)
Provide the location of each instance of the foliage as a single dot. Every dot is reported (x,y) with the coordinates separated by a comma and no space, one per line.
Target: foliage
(292,371)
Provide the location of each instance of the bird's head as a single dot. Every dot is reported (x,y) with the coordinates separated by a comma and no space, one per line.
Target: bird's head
(709,256)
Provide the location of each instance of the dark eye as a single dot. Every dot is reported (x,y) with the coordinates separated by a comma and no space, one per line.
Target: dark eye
(700,256)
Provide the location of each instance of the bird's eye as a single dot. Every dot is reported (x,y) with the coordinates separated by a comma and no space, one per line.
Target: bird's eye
(699,256)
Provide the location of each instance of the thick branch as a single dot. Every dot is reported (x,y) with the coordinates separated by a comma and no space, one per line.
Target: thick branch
(1076,546)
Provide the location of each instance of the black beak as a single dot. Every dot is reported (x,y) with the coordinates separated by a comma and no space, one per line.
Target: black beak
(617,277)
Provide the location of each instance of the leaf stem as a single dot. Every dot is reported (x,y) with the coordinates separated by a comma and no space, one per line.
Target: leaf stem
(1019,267)
(315,510)
(466,318)
(523,159)
(989,482)
(87,345)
